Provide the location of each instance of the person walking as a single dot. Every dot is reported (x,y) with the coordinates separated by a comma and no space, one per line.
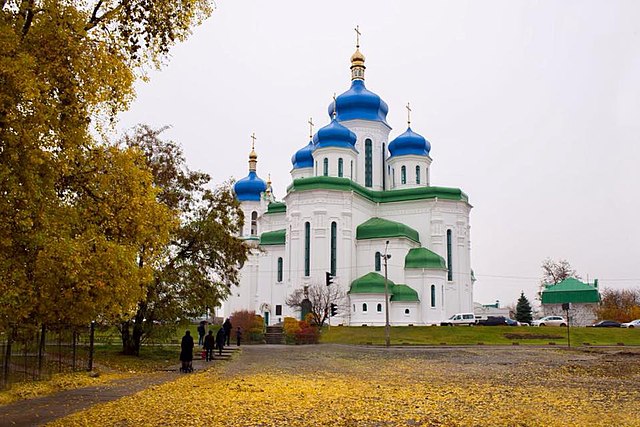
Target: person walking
(209,345)
(227,330)
(186,352)
(201,332)
(220,339)
(238,336)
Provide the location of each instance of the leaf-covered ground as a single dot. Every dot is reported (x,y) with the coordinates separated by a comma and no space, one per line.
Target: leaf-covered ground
(352,386)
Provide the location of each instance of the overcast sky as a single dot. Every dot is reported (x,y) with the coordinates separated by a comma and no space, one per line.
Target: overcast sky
(531,107)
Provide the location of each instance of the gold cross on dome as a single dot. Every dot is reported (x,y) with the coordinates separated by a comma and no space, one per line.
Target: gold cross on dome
(408,114)
(253,142)
(334,105)
(358,34)
(310,127)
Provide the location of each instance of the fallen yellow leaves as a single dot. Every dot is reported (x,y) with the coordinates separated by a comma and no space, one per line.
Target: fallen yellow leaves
(366,392)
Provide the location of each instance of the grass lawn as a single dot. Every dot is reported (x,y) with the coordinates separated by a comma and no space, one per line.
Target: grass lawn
(501,335)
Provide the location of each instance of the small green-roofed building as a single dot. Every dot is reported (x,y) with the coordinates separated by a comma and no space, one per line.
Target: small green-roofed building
(571,290)
(584,299)
(378,228)
(276,208)
(424,258)
(276,237)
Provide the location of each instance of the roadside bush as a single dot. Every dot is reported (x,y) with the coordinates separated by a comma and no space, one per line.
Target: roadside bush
(250,324)
(291,327)
(307,334)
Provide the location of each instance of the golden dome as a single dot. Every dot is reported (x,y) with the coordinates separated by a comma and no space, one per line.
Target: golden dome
(357,58)
(253,155)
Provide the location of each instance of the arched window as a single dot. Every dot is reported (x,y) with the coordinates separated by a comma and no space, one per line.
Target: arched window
(393,177)
(417,174)
(354,307)
(279,269)
(384,176)
(449,257)
(368,163)
(340,168)
(334,247)
(433,295)
(351,171)
(403,175)
(407,311)
(364,306)
(377,264)
(307,248)
(379,308)
(254,223)
(325,167)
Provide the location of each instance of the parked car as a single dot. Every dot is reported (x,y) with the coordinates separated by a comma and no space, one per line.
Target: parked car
(550,321)
(460,319)
(606,324)
(493,321)
(632,324)
(512,322)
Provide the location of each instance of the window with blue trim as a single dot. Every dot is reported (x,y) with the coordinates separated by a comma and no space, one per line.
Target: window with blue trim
(368,163)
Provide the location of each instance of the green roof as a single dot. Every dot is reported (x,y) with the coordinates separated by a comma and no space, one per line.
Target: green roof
(404,293)
(424,258)
(378,228)
(370,283)
(276,208)
(373,283)
(570,290)
(377,196)
(276,237)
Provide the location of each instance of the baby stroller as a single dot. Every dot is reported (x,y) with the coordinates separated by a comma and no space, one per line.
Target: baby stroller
(187,366)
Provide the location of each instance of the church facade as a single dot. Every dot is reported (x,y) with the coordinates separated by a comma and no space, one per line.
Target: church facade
(357,200)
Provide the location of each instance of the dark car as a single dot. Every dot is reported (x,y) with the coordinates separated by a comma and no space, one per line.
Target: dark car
(493,321)
(606,324)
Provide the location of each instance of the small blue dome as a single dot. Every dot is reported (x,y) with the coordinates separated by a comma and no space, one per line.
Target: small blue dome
(360,103)
(250,187)
(409,143)
(334,135)
(303,157)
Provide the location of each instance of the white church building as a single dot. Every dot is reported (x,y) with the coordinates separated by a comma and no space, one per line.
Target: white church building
(352,191)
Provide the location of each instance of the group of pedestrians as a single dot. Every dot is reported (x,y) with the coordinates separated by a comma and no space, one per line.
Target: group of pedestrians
(209,342)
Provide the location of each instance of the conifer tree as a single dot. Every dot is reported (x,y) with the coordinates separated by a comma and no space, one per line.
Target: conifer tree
(523,310)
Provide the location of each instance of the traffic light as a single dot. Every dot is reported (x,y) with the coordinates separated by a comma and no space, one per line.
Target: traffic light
(329,278)
(334,309)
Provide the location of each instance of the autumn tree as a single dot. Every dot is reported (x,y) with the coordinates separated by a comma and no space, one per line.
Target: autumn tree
(205,253)
(320,298)
(622,305)
(523,309)
(556,271)
(67,67)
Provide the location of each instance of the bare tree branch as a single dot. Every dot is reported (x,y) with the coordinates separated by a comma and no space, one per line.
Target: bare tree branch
(95,20)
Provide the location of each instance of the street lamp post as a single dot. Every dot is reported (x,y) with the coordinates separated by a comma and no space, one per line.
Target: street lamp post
(387,326)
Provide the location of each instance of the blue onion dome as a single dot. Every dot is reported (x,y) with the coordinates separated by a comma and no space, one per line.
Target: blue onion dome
(303,158)
(359,103)
(250,187)
(409,143)
(334,135)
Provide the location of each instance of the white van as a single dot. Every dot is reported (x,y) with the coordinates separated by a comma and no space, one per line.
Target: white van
(460,319)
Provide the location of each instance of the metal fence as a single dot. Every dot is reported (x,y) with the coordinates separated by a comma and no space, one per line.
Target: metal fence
(29,353)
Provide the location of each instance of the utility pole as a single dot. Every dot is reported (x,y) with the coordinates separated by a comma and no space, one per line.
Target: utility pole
(387,326)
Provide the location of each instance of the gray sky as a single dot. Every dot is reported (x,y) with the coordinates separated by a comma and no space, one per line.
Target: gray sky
(531,107)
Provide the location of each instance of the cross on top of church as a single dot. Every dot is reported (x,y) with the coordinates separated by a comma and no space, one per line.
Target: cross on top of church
(408,114)
(310,127)
(334,105)
(358,34)
(253,140)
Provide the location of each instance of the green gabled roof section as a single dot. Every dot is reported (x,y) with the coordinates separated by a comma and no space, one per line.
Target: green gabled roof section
(424,258)
(276,208)
(370,283)
(570,290)
(373,283)
(377,196)
(404,293)
(276,237)
(378,228)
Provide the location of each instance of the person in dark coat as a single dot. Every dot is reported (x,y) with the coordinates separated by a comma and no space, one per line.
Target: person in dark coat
(186,350)
(209,345)
(238,336)
(201,332)
(227,330)
(220,339)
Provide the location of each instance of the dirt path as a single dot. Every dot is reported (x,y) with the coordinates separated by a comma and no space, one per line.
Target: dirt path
(41,410)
